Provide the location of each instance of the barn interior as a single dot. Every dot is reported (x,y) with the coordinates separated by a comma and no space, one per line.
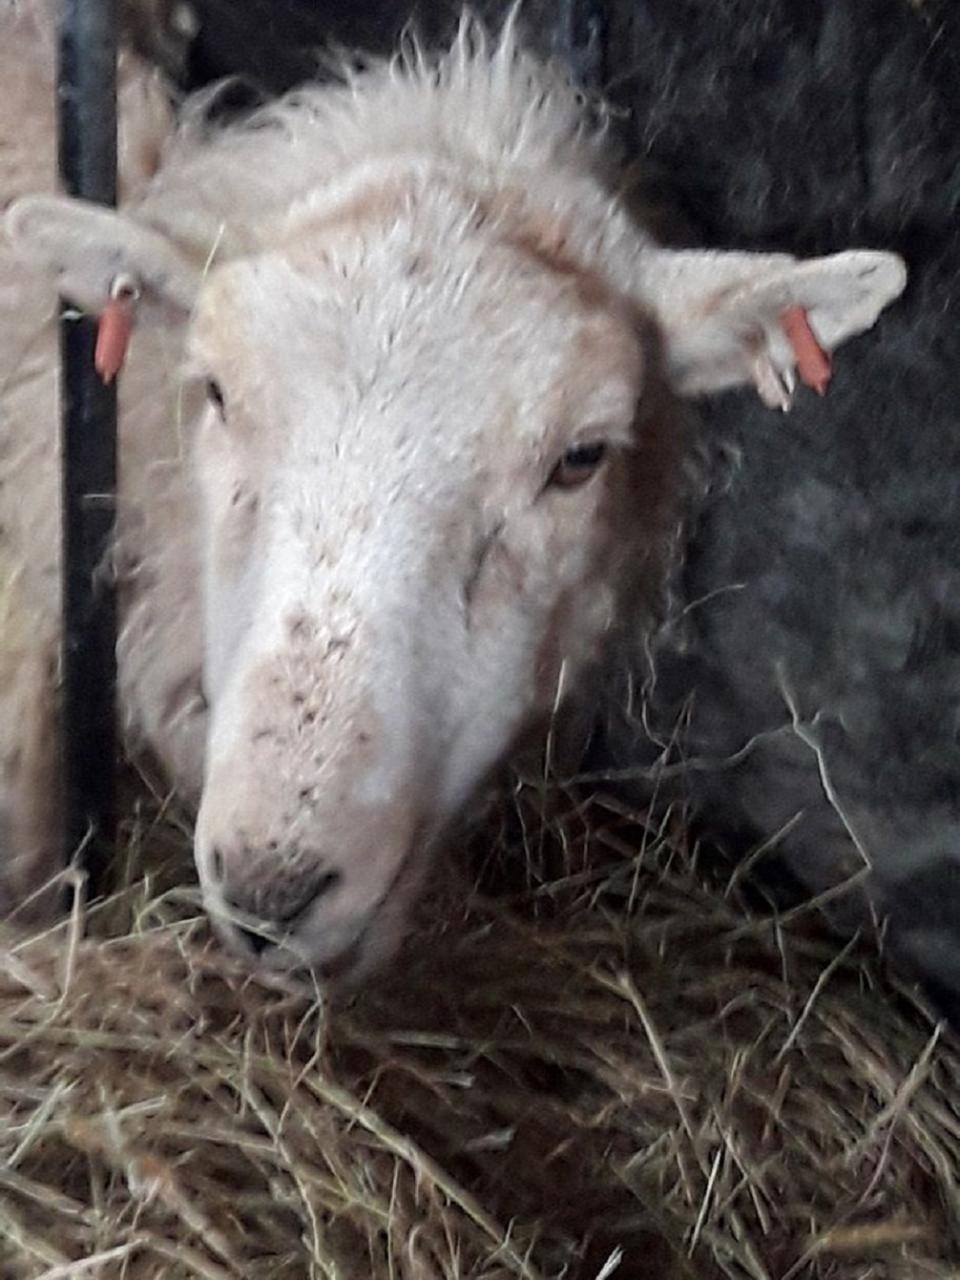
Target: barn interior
(686,1013)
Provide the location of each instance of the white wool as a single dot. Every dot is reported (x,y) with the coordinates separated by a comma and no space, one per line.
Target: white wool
(485,112)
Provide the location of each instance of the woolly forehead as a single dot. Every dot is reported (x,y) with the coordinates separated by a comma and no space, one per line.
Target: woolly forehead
(420,339)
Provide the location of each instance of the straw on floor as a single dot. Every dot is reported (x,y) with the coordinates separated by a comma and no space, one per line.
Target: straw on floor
(600,1057)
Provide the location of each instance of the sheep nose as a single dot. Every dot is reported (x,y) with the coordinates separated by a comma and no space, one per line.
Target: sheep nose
(268,923)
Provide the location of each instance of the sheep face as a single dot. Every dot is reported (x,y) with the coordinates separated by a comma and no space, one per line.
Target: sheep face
(420,493)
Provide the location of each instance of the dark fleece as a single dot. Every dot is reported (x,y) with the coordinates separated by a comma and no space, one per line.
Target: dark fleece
(826,551)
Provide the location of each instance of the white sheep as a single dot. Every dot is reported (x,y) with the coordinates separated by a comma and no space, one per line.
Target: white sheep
(396,456)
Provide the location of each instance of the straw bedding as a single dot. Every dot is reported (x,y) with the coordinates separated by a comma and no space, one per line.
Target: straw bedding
(604,1054)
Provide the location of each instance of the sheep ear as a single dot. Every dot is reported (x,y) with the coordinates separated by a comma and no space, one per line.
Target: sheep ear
(86,248)
(730,319)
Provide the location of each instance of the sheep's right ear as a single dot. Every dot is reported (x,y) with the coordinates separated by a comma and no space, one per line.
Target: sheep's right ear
(86,248)
(730,319)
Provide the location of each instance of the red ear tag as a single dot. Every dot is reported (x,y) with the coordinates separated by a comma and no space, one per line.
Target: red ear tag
(813,363)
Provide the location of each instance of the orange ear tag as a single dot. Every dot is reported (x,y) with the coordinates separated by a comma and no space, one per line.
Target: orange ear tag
(114,329)
(813,363)
(113,338)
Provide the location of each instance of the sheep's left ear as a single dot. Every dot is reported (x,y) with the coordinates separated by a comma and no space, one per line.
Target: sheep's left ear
(730,319)
(85,248)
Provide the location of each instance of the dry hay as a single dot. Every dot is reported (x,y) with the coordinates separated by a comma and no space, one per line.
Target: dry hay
(615,1066)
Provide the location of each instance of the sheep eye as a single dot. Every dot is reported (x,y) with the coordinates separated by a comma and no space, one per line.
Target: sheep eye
(215,396)
(578,464)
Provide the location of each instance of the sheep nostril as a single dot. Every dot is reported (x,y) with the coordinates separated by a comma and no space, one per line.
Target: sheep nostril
(256,939)
(216,864)
(326,884)
(319,888)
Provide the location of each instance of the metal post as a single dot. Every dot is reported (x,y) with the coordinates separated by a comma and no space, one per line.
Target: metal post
(86,105)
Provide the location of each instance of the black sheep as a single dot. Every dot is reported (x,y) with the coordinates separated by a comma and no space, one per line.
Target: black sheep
(822,581)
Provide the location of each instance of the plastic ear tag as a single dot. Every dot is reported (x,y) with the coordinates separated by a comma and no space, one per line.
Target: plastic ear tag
(813,363)
(115,328)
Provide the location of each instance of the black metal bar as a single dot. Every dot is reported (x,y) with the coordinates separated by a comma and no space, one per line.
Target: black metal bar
(86,108)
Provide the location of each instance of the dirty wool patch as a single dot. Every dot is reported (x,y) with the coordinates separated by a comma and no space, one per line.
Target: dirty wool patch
(600,1057)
